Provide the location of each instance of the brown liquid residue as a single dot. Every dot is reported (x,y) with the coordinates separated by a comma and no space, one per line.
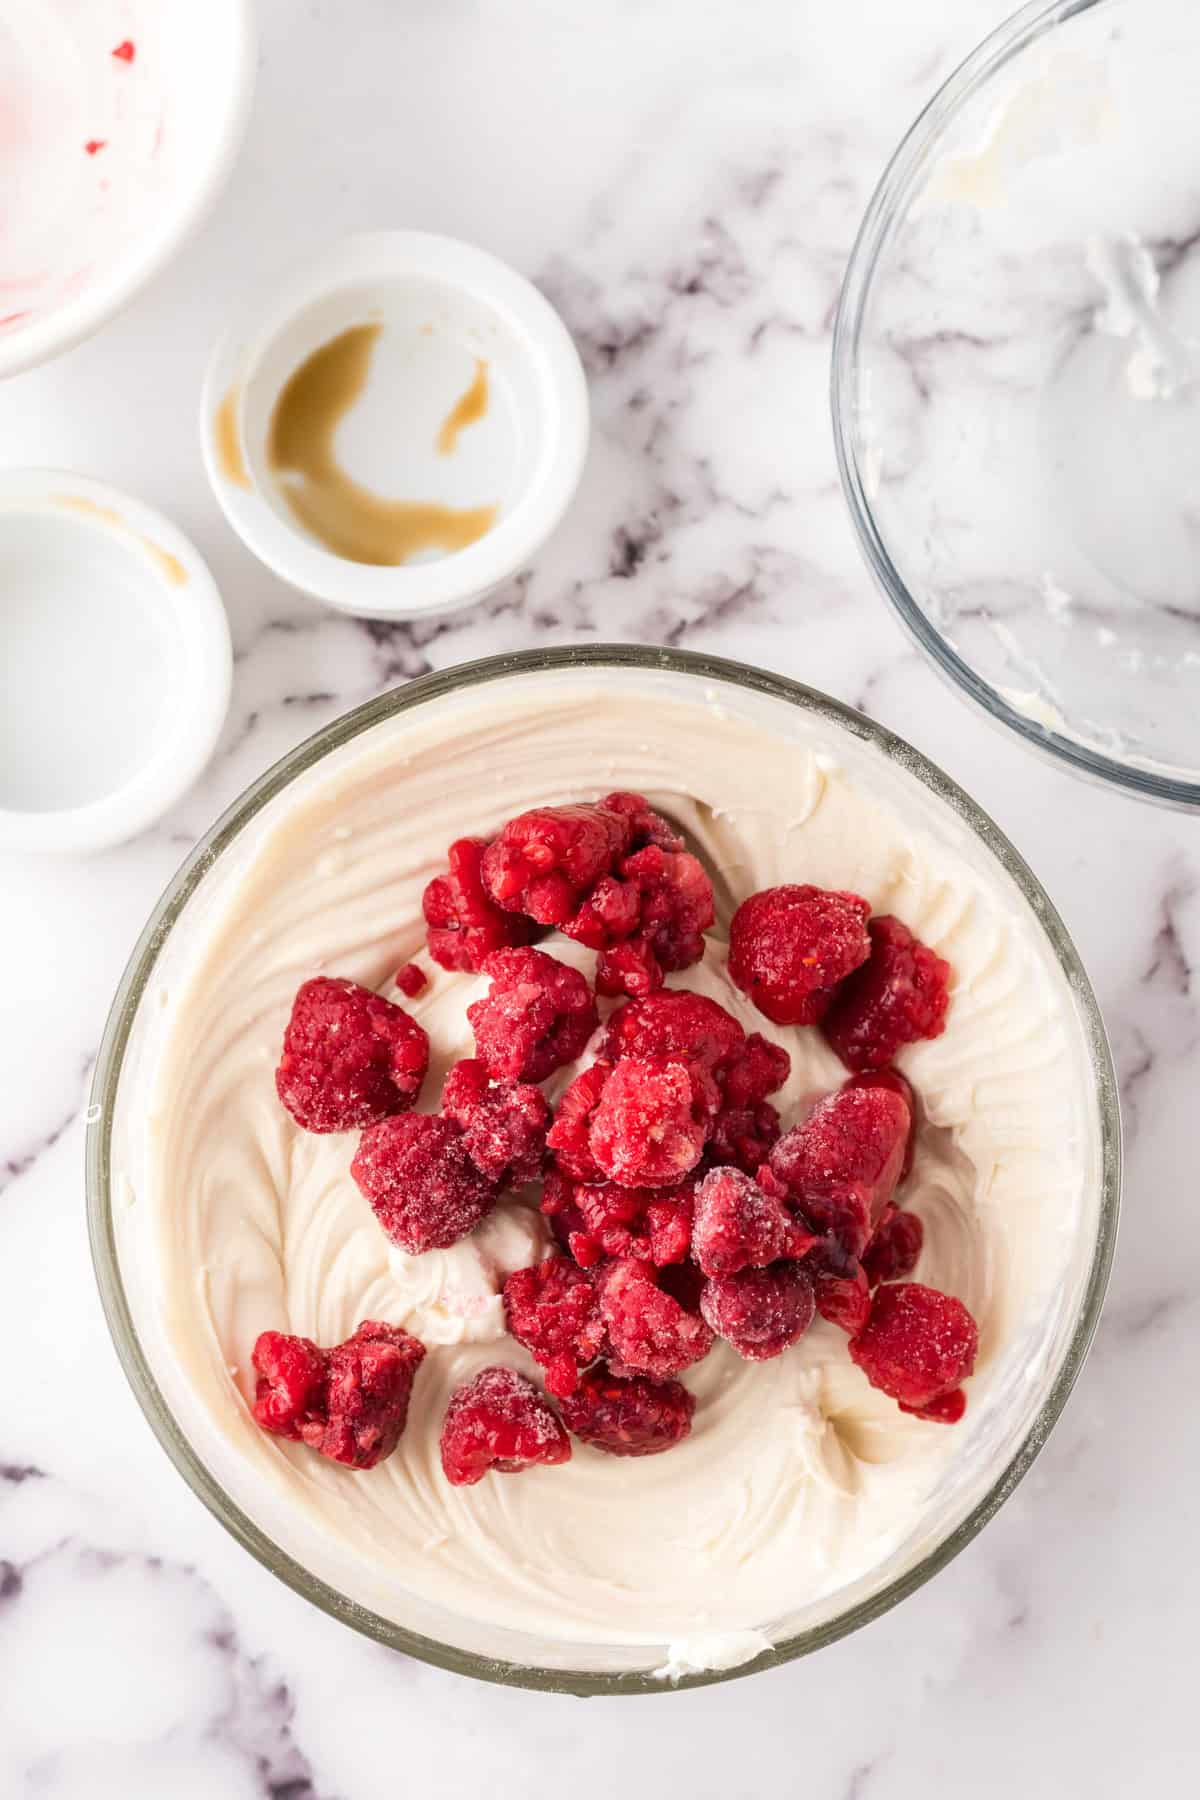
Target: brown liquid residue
(345,516)
(468,408)
(227,440)
(168,565)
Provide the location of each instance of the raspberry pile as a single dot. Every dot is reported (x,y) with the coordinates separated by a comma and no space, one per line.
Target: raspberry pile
(684,1211)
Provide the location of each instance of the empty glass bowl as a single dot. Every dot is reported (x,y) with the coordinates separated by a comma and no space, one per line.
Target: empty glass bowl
(1016,385)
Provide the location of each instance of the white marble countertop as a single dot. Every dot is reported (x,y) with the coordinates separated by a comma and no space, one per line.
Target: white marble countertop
(685,182)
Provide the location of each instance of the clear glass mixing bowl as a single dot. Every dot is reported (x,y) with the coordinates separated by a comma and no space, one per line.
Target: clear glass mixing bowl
(1016,385)
(999,1450)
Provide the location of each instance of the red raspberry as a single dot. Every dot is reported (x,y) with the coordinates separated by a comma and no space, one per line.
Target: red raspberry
(423,1187)
(677,905)
(738,1226)
(289,1397)
(568,1136)
(842,1164)
(917,1345)
(760,1312)
(349,1057)
(789,947)
(645,825)
(499,1421)
(631,968)
(537,1017)
(839,1284)
(411,980)
(465,926)
(608,916)
(675,1026)
(552,1309)
(652,1224)
(892,1078)
(349,1403)
(504,1124)
(895,1247)
(744,1136)
(756,1069)
(630,1416)
(947,1409)
(650,1123)
(567,1221)
(544,863)
(651,1332)
(900,995)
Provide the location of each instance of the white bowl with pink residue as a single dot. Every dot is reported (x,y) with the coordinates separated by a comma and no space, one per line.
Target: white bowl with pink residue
(119,123)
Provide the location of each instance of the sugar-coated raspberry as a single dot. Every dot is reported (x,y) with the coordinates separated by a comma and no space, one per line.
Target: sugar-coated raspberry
(423,1187)
(552,1309)
(650,1123)
(630,1415)
(651,1331)
(675,1026)
(892,1078)
(738,1226)
(645,825)
(755,1070)
(895,1247)
(630,968)
(537,1017)
(744,1136)
(839,1285)
(411,980)
(901,994)
(504,1123)
(465,925)
(604,1219)
(349,1403)
(349,1057)
(917,1345)
(789,947)
(545,862)
(842,1164)
(567,1221)
(499,1421)
(289,1396)
(760,1312)
(569,1135)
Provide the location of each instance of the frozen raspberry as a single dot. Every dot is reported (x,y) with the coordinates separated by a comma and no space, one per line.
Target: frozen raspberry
(738,1226)
(645,825)
(651,1332)
(568,1136)
(839,1284)
(629,1416)
(465,925)
(499,1421)
(566,1220)
(895,1247)
(744,1136)
(789,947)
(675,909)
(289,1397)
(545,862)
(423,1187)
(842,1164)
(631,968)
(504,1123)
(760,1312)
(892,1078)
(537,1017)
(608,916)
(650,1123)
(917,1344)
(411,980)
(552,1309)
(757,1068)
(349,1057)
(350,1403)
(947,1409)
(652,1224)
(900,995)
(675,1026)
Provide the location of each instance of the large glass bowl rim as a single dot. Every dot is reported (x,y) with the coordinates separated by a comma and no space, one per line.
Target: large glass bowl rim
(882,219)
(138,973)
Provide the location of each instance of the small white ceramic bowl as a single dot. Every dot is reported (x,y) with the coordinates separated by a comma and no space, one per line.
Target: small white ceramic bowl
(120,121)
(443,306)
(115,663)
